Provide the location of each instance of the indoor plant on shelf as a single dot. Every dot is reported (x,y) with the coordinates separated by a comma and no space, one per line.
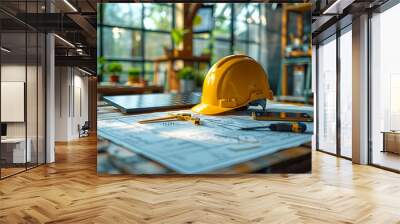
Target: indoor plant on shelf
(133,75)
(114,69)
(177,35)
(187,76)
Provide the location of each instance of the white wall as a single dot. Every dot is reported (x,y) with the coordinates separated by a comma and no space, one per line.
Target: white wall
(71,102)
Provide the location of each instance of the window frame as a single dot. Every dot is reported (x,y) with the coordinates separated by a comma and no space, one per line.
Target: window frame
(337,36)
(232,40)
(381,9)
(142,59)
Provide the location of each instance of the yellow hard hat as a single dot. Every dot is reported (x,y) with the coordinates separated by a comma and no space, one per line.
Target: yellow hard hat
(233,82)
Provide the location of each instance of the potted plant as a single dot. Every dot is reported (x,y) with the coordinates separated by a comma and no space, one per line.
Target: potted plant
(133,75)
(177,35)
(187,77)
(114,69)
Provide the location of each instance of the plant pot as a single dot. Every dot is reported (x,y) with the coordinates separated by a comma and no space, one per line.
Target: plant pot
(132,79)
(186,85)
(114,78)
(181,53)
(175,53)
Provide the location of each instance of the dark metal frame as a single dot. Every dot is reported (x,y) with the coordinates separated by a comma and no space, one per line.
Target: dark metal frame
(369,78)
(338,98)
(337,34)
(142,31)
(387,5)
(232,38)
(44,70)
(317,93)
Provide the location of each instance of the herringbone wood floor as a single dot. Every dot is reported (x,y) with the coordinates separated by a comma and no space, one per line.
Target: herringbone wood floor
(70,191)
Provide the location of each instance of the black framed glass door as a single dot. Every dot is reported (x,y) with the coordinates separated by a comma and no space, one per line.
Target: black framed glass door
(22,95)
(334,93)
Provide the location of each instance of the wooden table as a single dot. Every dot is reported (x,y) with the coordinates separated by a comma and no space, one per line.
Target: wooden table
(391,141)
(291,160)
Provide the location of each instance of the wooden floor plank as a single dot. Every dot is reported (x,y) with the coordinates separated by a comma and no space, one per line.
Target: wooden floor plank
(70,191)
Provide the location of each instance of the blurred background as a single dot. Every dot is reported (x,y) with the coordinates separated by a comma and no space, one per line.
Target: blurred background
(164,47)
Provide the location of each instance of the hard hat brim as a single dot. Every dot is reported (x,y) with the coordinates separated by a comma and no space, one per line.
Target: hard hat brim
(208,109)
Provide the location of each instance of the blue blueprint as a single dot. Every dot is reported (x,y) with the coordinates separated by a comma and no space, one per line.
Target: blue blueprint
(185,148)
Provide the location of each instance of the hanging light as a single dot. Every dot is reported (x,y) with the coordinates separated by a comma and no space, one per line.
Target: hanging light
(5,50)
(64,40)
(70,5)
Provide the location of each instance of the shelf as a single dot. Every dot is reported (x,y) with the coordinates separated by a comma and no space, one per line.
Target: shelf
(204,59)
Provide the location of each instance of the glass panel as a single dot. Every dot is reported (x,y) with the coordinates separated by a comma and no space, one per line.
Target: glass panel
(254,50)
(223,10)
(149,66)
(222,15)
(327,96)
(241,31)
(264,39)
(346,94)
(254,32)
(240,48)
(148,76)
(121,43)
(32,99)
(41,99)
(206,15)
(385,85)
(122,14)
(157,17)
(254,13)
(221,49)
(13,79)
(155,43)
(241,11)
(222,28)
(201,46)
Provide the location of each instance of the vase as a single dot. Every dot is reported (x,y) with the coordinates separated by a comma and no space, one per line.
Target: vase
(114,78)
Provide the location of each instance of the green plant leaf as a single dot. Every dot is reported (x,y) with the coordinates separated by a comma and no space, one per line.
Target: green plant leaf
(178,34)
(197,20)
(187,73)
(114,68)
(134,71)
